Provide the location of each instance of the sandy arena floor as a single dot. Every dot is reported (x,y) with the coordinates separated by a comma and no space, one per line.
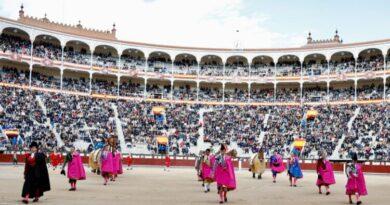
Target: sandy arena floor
(151,185)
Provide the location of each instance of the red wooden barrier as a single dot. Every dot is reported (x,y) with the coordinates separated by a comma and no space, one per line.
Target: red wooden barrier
(158,161)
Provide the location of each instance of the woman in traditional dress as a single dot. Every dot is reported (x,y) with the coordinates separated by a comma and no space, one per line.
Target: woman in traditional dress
(36,176)
(294,169)
(276,164)
(257,165)
(223,172)
(107,168)
(325,174)
(356,184)
(75,168)
(206,167)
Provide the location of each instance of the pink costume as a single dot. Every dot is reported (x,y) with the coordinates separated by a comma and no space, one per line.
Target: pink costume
(276,164)
(207,169)
(75,168)
(356,182)
(118,163)
(107,163)
(326,176)
(224,172)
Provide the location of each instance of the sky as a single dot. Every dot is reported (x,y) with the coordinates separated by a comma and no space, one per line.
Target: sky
(214,23)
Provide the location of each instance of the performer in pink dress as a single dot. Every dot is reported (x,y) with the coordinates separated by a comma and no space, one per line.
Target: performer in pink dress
(75,168)
(206,166)
(276,165)
(106,164)
(356,184)
(325,173)
(223,172)
(117,164)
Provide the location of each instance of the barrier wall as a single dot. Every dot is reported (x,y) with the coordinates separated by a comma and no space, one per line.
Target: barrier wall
(369,167)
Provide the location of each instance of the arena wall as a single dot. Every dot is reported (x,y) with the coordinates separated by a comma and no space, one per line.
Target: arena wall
(369,166)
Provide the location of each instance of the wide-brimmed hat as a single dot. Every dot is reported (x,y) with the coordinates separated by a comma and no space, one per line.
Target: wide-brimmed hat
(34,144)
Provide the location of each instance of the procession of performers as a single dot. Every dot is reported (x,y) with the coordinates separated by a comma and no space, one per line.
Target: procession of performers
(211,168)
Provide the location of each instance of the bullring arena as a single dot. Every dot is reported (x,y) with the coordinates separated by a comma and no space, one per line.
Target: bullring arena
(180,186)
(186,115)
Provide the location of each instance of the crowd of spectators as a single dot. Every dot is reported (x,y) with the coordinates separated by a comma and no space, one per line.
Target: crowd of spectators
(262,95)
(47,50)
(370,92)
(262,70)
(373,63)
(77,57)
(89,119)
(14,44)
(370,135)
(184,92)
(19,109)
(285,70)
(338,68)
(13,75)
(106,60)
(211,70)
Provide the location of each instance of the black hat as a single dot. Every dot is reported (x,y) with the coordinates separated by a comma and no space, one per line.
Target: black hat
(34,144)
(354,156)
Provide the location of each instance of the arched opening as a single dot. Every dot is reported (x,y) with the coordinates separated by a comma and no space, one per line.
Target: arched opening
(237,66)
(262,92)
(158,89)
(132,87)
(315,64)
(210,91)
(287,92)
(184,90)
(370,89)
(159,62)
(104,84)
(370,60)
(288,65)
(77,52)
(211,65)
(105,57)
(263,66)
(236,92)
(14,72)
(185,64)
(74,80)
(342,90)
(47,47)
(46,77)
(15,40)
(315,92)
(341,62)
(133,59)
